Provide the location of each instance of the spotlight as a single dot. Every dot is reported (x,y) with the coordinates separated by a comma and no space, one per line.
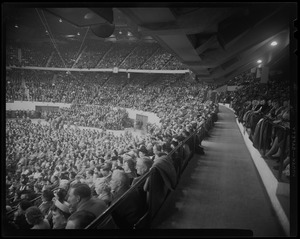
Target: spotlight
(16,26)
(60,20)
(78,33)
(274,43)
(259,61)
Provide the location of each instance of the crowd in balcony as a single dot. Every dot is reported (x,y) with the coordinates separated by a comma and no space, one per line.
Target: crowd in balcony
(264,109)
(91,54)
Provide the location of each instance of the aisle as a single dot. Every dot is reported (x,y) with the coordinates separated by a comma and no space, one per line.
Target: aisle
(221,189)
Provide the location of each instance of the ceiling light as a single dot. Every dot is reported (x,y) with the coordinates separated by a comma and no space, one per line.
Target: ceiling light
(60,20)
(259,61)
(89,15)
(78,33)
(274,43)
(120,32)
(16,26)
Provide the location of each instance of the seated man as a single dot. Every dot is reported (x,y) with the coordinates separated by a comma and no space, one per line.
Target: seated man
(132,208)
(80,198)
(143,165)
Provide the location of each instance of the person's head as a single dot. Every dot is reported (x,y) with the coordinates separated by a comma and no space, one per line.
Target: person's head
(80,219)
(102,187)
(47,195)
(34,215)
(120,161)
(142,151)
(105,170)
(129,165)
(143,165)
(157,148)
(262,101)
(60,194)
(276,104)
(23,205)
(89,173)
(286,102)
(119,180)
(60,214)
(174,144)
(79,192)
(270,102)
(166,147)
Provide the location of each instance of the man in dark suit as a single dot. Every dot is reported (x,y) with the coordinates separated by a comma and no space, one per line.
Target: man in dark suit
(80,198)
(132,208)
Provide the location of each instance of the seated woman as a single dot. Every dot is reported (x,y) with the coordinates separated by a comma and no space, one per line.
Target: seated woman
(59,202)
(35,217)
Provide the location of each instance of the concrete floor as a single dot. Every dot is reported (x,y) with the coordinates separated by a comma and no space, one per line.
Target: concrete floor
(221,189)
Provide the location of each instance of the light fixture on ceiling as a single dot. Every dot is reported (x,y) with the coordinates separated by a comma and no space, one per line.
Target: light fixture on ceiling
(89,16)
(274,43)
(120,32)
(129,34)
(259,61)
(16,26)
(60,20)
(78,33)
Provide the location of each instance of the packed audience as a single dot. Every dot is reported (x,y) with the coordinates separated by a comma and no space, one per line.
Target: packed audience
(91,116)
(91,54)
(264,110)
(74,174)
(43,157)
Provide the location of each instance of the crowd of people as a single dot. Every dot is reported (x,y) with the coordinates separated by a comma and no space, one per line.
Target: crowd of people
(148,56)
(95,116)
(43,157)
(264,110)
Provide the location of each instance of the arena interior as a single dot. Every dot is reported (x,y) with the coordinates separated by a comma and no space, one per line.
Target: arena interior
(141,120)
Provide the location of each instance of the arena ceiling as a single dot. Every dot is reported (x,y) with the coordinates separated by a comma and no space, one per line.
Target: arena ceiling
(217,41)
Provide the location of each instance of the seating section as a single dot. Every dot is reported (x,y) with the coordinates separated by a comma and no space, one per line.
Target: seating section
(92,54)
(264,110)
